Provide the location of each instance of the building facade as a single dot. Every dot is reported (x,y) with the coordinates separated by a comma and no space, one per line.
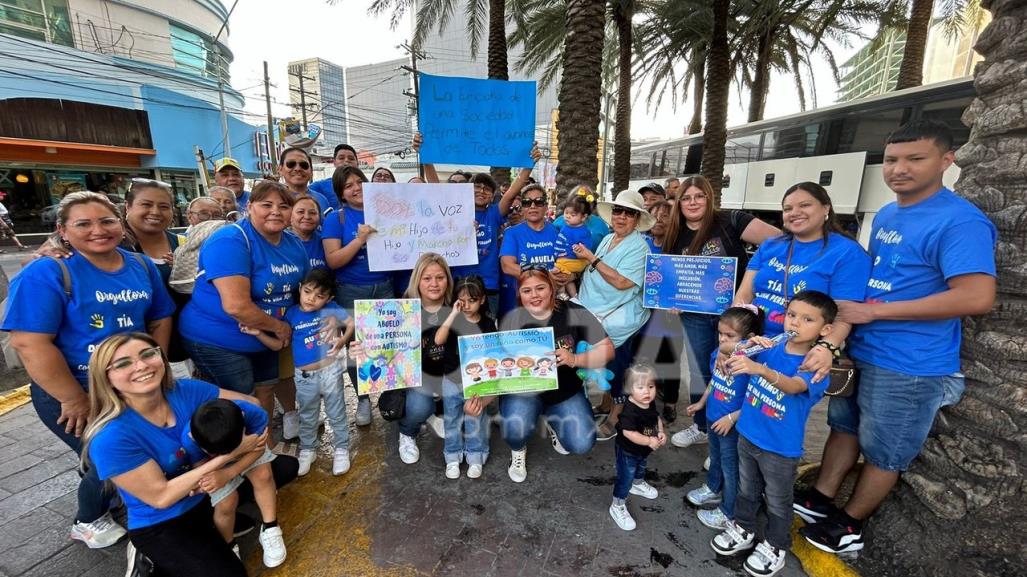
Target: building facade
(93,94)
(317,87)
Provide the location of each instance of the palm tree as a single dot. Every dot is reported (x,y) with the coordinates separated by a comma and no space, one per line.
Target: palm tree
(911,70)
(622,11)
(718,83)
(958,511)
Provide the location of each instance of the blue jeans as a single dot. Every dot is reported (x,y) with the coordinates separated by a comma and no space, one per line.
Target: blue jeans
(94,497)
(239,372)
(311,387)
(623,355)
(700,342)
(572,419)
(892,413)
(723,474)
(630,467)
(765,475)
(420,404)
(467,437)
(345,294)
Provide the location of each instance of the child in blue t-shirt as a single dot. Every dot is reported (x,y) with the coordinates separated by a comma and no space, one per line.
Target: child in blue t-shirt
(723,402)
(574,231)
(217,428)
(320,328)
(771,428)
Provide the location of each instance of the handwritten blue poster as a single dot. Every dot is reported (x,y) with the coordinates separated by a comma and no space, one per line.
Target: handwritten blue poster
(475,121)
(695,284)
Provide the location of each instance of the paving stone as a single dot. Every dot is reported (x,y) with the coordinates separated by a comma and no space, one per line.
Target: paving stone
(20,418)
(25,446)
(32,539)
(72,561)
(37,473)
(19,464)
(38,495)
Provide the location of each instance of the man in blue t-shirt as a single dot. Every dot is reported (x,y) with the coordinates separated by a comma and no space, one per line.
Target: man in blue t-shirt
(345,155)
(228,173)
(933,262)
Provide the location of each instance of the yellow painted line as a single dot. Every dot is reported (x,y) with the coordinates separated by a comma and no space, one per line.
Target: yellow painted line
(324,519)
(14,399)
(815,562)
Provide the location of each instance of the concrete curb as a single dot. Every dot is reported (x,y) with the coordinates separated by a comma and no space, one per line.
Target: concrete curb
(14,399)
(816,563)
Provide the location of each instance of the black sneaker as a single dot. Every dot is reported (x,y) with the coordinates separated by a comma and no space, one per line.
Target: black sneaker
(139,565)
(811,508)
(834,537)
(243,525)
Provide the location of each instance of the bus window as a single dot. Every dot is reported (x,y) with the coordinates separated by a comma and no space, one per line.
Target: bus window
(950,112)
(742,149)
(640,165)
(867,132)
(795,142)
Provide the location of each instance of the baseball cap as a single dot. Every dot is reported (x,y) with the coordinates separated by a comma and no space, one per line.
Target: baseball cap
(653,187)
(224,162)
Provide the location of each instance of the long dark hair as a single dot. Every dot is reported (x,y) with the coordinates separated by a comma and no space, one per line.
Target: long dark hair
(677,220)
(341,175)
(819,193)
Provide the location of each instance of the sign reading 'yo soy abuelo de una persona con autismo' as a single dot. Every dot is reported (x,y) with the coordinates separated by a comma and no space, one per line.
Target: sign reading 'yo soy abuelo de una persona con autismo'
(695,284)
(412,219)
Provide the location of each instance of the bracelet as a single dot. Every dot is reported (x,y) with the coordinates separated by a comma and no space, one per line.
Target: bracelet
(778,379)
(836,351)
(731,416)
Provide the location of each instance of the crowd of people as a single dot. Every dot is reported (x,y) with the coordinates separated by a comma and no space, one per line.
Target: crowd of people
(160,358)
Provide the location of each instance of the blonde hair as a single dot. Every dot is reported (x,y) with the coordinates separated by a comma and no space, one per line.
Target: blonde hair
(636,373)
(74,199)
(427,259)
(105,402)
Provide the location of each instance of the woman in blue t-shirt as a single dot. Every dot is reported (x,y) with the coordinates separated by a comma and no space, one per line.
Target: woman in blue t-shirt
(138,413)
(345,242)
(149,212)
(818,255)
(531,244)
(246,275)
(59,310)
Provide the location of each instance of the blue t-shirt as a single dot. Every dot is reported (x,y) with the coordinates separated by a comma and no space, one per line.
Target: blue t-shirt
(101,304)
(840,270)
(596,226)
(242,203)
(570,236)
(254,422)
(307,346)
(652,244)
(726,394)
(342,226)
(324,188)
(239,250)
(129,441)
(772,420)
(490,223)
(315,251)
(915,251)
(529,247)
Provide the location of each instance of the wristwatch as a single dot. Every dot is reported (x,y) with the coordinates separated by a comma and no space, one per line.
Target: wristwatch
(595,263)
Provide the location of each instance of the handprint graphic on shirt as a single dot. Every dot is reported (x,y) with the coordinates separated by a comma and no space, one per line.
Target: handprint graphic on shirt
(96,321)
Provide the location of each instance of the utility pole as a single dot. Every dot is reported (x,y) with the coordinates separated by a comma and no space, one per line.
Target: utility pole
(219,62)
(201,162)
(415,55)
(297,71)
(270,123)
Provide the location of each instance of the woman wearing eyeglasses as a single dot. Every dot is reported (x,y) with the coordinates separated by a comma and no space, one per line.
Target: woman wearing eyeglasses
(59,310)
(531,243)
(296,170)
(138,414)
(699,228)
(382,174)
(611,286)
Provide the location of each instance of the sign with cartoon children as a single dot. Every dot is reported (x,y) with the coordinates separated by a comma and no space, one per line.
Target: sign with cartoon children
(508,362)
(389,330)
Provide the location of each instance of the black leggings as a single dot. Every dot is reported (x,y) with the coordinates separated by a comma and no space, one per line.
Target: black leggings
(661,347)
(188,546)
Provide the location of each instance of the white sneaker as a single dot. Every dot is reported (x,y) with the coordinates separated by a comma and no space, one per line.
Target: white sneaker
(703,496)
(688,437)
(453,470)
(238,553)
(765,561)
(473,471)
(644,489)
(437,426)
(274,546)
(290,425)
(557,446)
(733,540)
(340,463)
(98,534)
(518,471)
(706,464)
(408,452)
(306,459)
(713,518)
(622,517)
(363,412)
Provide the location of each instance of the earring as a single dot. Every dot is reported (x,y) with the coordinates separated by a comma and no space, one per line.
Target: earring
(826,217)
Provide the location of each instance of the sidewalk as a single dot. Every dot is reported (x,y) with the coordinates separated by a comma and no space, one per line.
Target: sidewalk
(387,518)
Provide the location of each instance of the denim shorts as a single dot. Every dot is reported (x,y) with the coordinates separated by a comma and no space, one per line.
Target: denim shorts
(239,372)
(892,413)
(233,483)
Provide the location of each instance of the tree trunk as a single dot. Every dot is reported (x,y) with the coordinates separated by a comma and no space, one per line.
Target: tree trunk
(718,83)
(581,91)
(498,69)
(911,71)
(761,78)
(622,129)
(959,510)
(698,91)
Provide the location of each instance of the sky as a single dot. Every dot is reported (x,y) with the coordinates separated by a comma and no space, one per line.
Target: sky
(255,36)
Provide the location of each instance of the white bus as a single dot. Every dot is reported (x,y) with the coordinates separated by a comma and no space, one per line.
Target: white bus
(840,146)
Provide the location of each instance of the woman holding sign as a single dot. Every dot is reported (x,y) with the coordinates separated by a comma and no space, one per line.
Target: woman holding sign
(813,254)
(567,410)
(699,228)
(345,235)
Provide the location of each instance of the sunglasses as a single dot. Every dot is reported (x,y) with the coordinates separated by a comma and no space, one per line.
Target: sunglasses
(534,267)
(619,210)
(145,355)
(526,202)
(515,208)
(303,164)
